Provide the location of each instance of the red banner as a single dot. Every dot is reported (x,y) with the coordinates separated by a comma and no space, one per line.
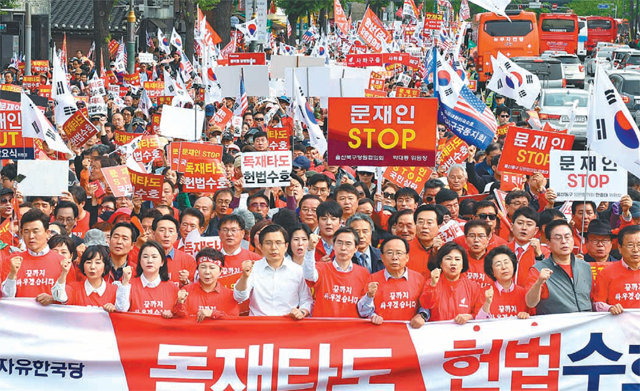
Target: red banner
(153,127)
(526,151)
(453,152)
(118,180)
(247,58)
(401,58)
(14,146)
(404,92)
(122,138)
(31,82)
(132,79)
(147,186)
(374,94)
(10,120)
(221,117)
(149,149)
(373,32)
(413,177)
(45,91)
(382,132)
(203,176)
(78,129)
(40,66)
(154,89)
(183,151)
(433,21)
(364,60)
(279,139)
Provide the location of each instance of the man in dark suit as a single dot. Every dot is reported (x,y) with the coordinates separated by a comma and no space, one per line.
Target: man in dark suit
(366,255)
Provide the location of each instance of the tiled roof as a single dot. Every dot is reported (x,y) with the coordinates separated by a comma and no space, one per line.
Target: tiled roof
(78,15)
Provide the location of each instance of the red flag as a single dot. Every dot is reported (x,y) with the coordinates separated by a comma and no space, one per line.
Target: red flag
(373,32)
(340,17)
(210,35)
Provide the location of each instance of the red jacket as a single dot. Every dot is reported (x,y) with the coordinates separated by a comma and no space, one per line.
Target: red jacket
(448,299)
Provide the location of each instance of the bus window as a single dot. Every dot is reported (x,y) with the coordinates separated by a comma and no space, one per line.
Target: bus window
(503,28)
(558,25)
(593,24)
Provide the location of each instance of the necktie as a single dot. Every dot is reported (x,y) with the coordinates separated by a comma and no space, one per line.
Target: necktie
(363,260)
(519,252)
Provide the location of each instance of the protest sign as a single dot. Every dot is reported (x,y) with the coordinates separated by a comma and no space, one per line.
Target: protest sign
(381,132)
(405,92)
(118,180)
(576,174)
(413,177)
(149,149)
(526,151)
(45,91)
(182,151)
(510,181)
(78,129)
(193,247)
(122,138)
(185,124)
(203,176)
(221,117)
(246,59)
(266,169)
(43,177)
(147,186)
(279,138)
(451,230)
(14,146)
(373,32)
(454,151)
(132,79)
(10,120)
(374,94)
(31,82)
(432,21)
(145,58)
(39,66)
(364,60)
(376,82)
(153,127)
(154,89)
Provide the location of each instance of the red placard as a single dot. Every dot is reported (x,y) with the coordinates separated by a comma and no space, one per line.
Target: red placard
(374,94)
(78,129)
(401,58)
(382,132)
(147,186)
(432,21)
(526,151)
(132,79)
(279,139)
(10,120)
(183,151)
(364,60)
(404,92)
(122,138)
(473,85)
(373,32)
(510,181)
(31,82)
(40,66)
(203,176)
(221,117)
(164,100)
(118,180)
(45,91)
(149,149)
(113,47)
(376,82)
(154,89)
(11,87)
(154,125)
(14,146)
(413,177)
(247,58)
(453,152)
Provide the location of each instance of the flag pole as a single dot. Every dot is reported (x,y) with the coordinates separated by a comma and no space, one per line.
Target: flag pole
(584,201)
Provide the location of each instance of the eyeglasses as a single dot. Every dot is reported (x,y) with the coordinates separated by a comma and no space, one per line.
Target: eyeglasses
(258,119)
(341,243)
(389,195)
(504,116)
(391,253)
(632,246)
(485,216)
(477,236)
(258,205)
(230,230)
(600,242)
(5,201)
(308,210)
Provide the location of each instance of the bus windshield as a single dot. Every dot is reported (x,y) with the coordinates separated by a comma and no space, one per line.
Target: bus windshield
(604,24)
(504,28)
(558,25)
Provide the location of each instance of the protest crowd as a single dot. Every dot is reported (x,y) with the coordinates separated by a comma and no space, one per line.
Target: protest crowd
(178,199)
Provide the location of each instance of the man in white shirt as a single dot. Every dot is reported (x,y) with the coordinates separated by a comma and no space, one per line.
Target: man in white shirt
(275,286)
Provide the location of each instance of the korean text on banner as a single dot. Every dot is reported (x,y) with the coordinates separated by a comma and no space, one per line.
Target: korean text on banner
(266,169)
(14,146)
(147,186)
(413,177)
(572,171)
(78,129)
(181,152)
(203,176)
(455,151)
(43,177)
(118,180)
(382,132)
(193,247)
(373,32)
(526,151)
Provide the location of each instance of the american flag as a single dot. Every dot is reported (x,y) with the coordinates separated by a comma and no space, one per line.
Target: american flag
(149,41)
(288,29)
(91,50)
(307,36)
(444,42)
(444,3)
(242,102)
(470,105)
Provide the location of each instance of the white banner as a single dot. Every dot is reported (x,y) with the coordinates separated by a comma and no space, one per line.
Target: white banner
(266,169)
(571,171)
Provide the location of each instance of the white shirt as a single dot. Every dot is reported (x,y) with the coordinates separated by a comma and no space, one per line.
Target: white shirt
(275,292)
(60,295)
(309,270)
(233,253)
(123,294)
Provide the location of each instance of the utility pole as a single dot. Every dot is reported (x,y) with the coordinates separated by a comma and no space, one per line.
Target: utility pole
(27,38)
(131,39)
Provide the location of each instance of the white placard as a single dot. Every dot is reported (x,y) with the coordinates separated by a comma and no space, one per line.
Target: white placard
(606,181)
(146,58)
(256,80)
(46,178)
(266,169)
(185,124)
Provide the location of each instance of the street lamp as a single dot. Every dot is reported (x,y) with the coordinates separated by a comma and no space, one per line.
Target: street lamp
(131,39)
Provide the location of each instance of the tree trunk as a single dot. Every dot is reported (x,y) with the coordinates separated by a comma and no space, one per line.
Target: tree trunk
(293,22)
(188,12)
(101,16)
(220,20)
(322,20)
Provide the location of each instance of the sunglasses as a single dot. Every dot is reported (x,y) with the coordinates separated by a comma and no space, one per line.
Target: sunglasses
(504,115)
(258,119)
(489,216)
(388,195)
(429,198)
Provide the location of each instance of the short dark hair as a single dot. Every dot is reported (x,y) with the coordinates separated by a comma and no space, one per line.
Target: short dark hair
(548,215)
(10,171)
(502,109)
(129,226)
(394,237)
(64,205)
(329,208)
(232,218)
(79,194)
(260,134)
(407,192)
(298,227)
(428,208)
(162,218)
(576,204)
(348,230)
(553,225)
(527,212)
(488,260)
(318,178)
(477,223)
(150,213)
(164,269)
(210,253)
(513,194)
(35,215)
(259,194)
(445,195)
(484,204)
(91,252)
(271,228)
(628,230)
(48,200)
(194,213)
(434,184)
(346,188)
(220,191)
(57,240)
(448,248)
(309,197)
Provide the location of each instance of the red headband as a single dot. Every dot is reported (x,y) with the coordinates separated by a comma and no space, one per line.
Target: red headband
(207,259)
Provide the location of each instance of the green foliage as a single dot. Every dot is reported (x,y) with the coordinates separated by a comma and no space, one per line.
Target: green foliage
(300,7)
(207,5)
(590,7)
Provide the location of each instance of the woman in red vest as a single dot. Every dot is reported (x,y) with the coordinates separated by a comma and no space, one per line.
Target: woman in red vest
(94,291)
(150,292)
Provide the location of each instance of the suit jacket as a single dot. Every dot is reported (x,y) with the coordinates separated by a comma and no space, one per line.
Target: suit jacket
(376,260)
